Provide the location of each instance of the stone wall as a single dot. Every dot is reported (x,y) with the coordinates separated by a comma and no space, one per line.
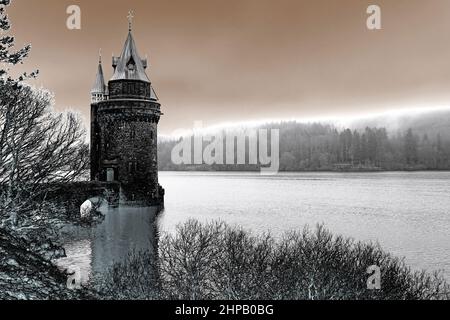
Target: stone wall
(125,142)
(129,89)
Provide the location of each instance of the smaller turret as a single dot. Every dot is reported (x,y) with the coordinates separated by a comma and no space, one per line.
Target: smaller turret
(99,90)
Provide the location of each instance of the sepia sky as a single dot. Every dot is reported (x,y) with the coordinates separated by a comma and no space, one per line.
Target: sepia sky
(241,60)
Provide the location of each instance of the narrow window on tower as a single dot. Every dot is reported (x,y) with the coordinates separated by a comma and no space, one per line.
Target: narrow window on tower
(131,70)
(130,167)
(107,152)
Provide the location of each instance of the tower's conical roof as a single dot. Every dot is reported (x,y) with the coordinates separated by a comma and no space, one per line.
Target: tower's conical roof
(99,84)
(130,66)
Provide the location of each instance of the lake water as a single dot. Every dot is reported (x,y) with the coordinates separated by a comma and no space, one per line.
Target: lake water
(407,213)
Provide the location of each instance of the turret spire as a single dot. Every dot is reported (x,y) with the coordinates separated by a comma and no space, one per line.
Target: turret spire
(129,65)
(98,92)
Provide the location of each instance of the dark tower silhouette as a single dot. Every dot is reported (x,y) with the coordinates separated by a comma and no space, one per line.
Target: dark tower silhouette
(124,128)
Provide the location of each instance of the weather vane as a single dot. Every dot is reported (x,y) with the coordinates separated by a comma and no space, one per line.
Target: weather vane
(130,19)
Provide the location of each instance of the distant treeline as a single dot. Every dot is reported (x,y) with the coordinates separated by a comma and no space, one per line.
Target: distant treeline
(313,147)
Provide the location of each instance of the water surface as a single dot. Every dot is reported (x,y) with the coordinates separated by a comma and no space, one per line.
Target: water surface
(406,212)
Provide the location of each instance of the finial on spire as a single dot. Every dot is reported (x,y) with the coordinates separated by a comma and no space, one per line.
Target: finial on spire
(100,55)
(130,19)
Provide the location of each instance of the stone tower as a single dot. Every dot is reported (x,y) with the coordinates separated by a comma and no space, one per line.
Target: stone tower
(124,128)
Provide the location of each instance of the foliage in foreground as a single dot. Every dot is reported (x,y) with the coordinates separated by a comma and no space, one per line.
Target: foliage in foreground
(38,148)
(216,261)
(26,275)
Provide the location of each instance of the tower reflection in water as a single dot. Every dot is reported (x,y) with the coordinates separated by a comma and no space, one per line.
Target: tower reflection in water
(125,230)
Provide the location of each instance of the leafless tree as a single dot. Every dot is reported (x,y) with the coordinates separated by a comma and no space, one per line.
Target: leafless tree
(38,148)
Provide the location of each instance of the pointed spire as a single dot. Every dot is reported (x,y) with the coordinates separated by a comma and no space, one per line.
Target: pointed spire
(129,66)
(99,87)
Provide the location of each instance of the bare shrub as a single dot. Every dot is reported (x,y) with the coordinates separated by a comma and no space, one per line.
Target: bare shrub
(186,260)
(216,261)
(134,279)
